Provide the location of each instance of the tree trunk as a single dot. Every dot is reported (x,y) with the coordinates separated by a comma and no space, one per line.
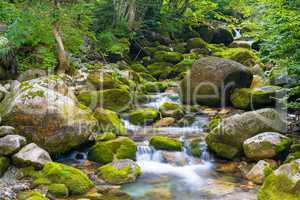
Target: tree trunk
(62,56)
(131,15)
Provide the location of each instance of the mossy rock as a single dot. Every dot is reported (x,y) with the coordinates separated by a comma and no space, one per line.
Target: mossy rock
(58,190)
(105,136)
(195,43)
(292,156)
(106,152)
(138,68)
(31,196)
(283,183)
(154,87)
(119,172)
(166,143)
(143,116)
(103,80)
(108,99)
(247,98)
(195,147)
(75,180)
(213,123)
(183,66)
(4,164)
(170,109)
(109,121)
(244,56)
(161,70)
(165,56)
(222,35)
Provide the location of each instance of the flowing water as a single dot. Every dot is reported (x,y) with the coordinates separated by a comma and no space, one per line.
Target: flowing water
(175,175)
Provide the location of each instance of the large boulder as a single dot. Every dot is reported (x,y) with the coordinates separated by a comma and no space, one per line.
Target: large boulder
(120,172)
(226,140)
(47,113)
(266,145)
(11,144)
(283,183)
(222,35)
(212,80)
(31,155)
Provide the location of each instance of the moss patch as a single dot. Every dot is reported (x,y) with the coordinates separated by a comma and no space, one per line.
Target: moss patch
(58,190)
(165,56)
(105,136)
(170,109)
(166,143)
(31,196)
(143,116)
(4,164)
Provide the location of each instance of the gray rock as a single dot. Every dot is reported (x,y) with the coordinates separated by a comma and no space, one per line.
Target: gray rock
(212,80)
(47,113)
(31,155)
(11,144)
(227,139)
(259,171)
(7,130)
(266,145)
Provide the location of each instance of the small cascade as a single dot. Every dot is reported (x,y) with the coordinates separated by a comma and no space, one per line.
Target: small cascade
(160,98)
(238,34)
(147,153)
(205,153)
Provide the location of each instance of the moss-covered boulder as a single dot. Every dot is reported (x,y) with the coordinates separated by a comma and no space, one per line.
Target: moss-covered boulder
(109,121)
(75,180)
(247,98)
(266,145)
(154,87)
(119,172)
(32,195)
(226,140)
(212,80)
(106,152)
(213,123)
(143,116)
(222,35)
(183,66)
(166,143)
(108,99)
(138,67)
(46,112)
(4,164)
(58,190)
(244,56)
(105,136)
(161,70)
(195,43)
(283,183)
(167,56)
(170,109)
(103,80)
(206,31)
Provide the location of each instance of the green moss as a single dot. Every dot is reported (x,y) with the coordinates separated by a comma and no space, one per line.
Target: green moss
(267,171)
(108,99)
(166,143)
(213,123)
(278,187)
(170,109)
(109,121)
(143,116)
(106,152)
(41,181)
(138,67)
(153,87)
(147,77)
(105,136)
(244,56)
(58,190)
(4,164)
(195,147)
(170,57)
(31,196)
(103,80)
(161,70)
(183,66)
(194,43)
(75,180)
(292,156)
(283,145)
(114,176)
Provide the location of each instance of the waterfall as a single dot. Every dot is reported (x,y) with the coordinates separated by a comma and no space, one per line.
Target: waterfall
(238,34)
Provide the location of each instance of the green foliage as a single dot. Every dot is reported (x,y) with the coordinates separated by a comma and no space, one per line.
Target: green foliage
(8,13)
